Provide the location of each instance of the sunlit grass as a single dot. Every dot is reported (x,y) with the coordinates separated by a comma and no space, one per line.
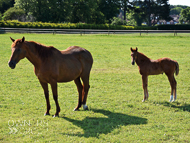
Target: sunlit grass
(116,113)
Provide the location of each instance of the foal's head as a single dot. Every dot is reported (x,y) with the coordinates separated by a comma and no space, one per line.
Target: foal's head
(18,52)
(133,55)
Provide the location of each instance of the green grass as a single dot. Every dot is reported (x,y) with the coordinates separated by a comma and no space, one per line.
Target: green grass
(116,113)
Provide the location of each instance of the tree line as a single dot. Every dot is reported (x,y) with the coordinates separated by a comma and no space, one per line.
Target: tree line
(85,11)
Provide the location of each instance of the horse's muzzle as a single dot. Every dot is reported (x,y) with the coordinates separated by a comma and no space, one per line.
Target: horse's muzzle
(12,64)
(133,62)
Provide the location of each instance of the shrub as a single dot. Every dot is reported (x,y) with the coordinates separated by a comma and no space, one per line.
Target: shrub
(118,21)
(13,13)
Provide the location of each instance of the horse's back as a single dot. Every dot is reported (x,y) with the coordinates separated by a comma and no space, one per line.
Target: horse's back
(80,54)
(76,50)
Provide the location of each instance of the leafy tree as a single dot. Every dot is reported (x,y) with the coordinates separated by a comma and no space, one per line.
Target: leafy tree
(118,21)
(162,10)
(46,11)
(125,5)
(26,5)
(86,11)
(182,6)
(62,10)
(135,18)
(176,10)
(185,16)
(110,8)
(152,10)
(13,14)
(130,18)
(0,16)
(59,10)
(6,4)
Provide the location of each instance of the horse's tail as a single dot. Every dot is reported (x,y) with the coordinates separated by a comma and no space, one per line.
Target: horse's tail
(177,68)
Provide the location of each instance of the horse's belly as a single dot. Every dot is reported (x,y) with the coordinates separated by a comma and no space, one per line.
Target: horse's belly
(155,70)
(66,75)
(66,79)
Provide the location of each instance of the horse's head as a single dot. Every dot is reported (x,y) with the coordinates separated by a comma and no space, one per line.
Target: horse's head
(18,52)
(134,55)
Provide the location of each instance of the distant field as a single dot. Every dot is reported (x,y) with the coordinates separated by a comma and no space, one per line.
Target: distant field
(116,113)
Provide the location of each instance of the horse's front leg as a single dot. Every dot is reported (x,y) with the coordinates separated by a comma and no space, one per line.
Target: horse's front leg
(46,93)
(145,84)
(55,97)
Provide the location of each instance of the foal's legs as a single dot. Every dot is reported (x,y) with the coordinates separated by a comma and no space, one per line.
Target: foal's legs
(175,90)
(55,97)
(145,84)
(79,87)
(173,84)
(46,93)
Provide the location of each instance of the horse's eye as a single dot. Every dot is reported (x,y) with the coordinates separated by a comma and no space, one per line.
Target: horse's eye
(18,49)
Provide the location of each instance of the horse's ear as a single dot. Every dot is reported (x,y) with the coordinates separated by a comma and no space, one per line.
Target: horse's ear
(131,49)
(136,49)
(12,39)
(23,39)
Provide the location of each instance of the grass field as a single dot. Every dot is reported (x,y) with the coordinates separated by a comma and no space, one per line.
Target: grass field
(116,113)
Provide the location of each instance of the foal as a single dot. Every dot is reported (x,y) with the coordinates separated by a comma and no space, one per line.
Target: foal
(155,67)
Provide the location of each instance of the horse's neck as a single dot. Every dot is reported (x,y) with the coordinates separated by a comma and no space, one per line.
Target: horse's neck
(32,55)
(141,58)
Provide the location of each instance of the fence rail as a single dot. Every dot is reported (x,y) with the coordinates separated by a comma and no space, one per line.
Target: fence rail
(85,31)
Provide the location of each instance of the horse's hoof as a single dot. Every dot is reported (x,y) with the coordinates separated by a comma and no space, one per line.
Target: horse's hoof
(143,100)
(171,98)
(46,114)
(55,116)
(85,107)
(76,109)
(174,99)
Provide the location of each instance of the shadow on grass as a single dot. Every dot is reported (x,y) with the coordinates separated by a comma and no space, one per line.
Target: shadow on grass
(93,126)
(177,105)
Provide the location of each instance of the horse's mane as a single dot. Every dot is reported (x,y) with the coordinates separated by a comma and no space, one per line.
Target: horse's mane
(43,51)
(143,57)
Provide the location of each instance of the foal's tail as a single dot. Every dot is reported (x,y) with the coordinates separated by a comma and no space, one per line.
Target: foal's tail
(177,68)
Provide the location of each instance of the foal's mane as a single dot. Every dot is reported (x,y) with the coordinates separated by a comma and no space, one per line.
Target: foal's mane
(43,51)
(143,57)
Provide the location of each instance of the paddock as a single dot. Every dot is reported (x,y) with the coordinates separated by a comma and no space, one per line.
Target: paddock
(116,113)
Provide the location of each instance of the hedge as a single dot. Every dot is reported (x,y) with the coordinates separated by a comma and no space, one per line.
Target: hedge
(17,24)
(174,27)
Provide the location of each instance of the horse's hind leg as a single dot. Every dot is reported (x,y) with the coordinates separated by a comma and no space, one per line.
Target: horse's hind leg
(85,90)
(173,84)
(174,89)
(79,88)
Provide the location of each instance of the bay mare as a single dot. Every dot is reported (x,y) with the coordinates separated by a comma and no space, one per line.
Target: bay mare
(148,67)
(53,66)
